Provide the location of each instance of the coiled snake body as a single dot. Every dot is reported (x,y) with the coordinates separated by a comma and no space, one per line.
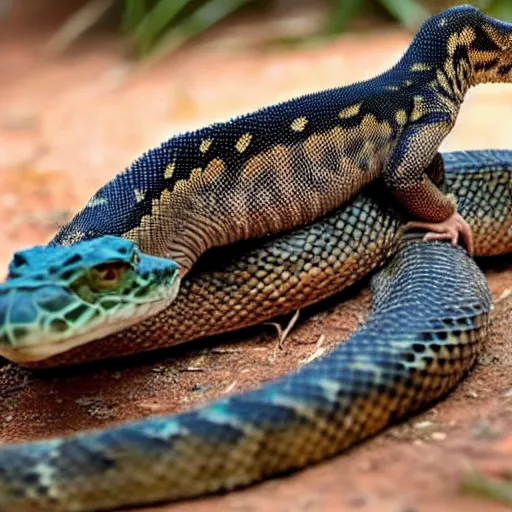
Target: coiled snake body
(428,321)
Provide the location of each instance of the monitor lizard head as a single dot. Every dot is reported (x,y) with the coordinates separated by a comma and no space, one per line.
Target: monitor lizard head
(466,45)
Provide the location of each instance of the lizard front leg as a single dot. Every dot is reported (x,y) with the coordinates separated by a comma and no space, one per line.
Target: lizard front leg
(406,175)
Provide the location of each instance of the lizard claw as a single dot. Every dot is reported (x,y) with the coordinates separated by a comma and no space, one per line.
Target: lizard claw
(450,229)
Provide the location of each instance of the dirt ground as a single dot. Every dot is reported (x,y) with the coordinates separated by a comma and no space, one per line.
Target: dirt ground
(69,122)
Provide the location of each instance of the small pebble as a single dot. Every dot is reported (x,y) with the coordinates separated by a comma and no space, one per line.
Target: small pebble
(487,359)
(423,424)
(199,388)
(438,436)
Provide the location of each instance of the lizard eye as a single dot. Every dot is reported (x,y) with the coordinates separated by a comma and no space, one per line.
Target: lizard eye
(107,276)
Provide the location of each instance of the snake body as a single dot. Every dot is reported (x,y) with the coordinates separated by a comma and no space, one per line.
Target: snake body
(428,321)
(429,318)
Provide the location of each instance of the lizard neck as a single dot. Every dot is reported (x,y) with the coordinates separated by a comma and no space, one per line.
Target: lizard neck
(447,74)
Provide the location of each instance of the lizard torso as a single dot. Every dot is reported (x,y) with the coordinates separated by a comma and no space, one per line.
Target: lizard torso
(289,163)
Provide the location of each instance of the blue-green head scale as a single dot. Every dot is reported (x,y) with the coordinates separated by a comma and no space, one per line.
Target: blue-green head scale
(79,293)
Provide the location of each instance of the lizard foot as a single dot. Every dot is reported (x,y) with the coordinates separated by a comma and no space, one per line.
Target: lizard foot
(450,229)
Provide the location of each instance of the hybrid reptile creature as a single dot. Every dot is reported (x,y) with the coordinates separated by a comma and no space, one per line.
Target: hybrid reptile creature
(428,322)
(262,174)
(285,165)
(74,292)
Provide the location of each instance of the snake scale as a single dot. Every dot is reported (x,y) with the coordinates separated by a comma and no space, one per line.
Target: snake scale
(428,321)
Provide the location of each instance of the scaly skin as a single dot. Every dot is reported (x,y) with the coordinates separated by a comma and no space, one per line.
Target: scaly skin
(259,280)
(429,319)
(287,164)
(428,322)
(102,286)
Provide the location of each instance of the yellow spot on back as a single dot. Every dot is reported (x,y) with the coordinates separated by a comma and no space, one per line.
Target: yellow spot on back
(243,142)
(139,195)
(369,124)
(181,186)
(408,83)
(299,124)
(401,117)
(169,170)
(205,145)
(420,66)
(453,42)
(187,184)
(350,111)
(418,108)
(315,145)
(392,88)
(165,197)
(468,35)
(96,201)
(464,38)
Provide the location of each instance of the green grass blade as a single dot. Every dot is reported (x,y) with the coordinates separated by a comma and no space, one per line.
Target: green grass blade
(197,22)
(133,13)
(340,15)
(155,22)
(478,485)
(409,12)
(77,24)
(501,9)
